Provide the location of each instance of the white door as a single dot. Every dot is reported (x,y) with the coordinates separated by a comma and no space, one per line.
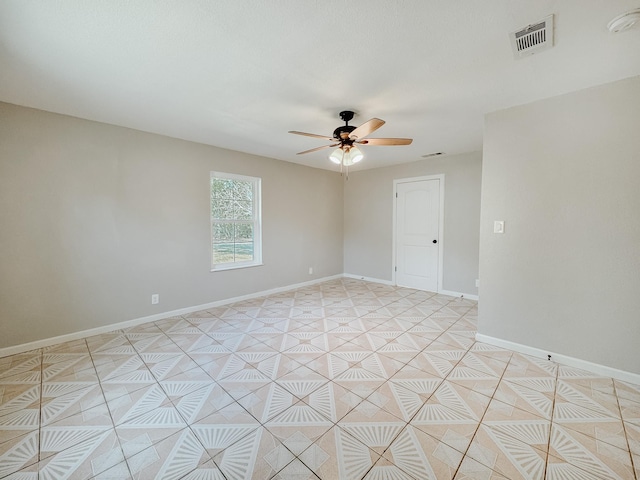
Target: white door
(417,234)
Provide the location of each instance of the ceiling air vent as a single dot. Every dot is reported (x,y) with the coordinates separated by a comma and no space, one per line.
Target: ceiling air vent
(533,38)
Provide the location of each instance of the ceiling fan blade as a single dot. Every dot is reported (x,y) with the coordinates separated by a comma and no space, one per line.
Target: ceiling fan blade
(385,141)
(324,137)
(317,148)
(366,128)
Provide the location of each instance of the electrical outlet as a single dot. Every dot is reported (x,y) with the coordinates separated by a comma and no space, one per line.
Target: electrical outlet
(477,282)
(310,270)
(155,299)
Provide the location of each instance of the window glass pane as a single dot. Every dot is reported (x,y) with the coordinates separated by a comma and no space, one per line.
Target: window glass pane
(243,210)
(244,190)
(244,242)
(244,252)
(222,188)
(223,233)
(222,252)
(222,209)
(244,232)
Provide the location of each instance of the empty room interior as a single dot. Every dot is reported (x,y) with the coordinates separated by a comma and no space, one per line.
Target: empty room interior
(347,239)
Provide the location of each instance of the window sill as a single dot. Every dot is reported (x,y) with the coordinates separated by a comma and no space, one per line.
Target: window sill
(235,267)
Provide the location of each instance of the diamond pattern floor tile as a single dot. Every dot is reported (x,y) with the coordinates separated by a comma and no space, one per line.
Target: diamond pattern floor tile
(345,379)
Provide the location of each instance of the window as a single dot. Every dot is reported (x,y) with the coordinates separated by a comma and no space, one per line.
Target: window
(235,221)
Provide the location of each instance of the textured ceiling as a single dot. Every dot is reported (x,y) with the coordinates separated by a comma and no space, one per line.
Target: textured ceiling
(239,74)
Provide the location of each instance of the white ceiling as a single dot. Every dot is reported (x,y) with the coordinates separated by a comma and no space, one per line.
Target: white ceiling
(239,74)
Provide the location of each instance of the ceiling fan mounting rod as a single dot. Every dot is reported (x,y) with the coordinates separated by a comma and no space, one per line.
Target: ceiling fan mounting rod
(342,133)
(346,116)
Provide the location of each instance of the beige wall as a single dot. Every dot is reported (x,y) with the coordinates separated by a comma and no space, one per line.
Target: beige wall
(95,218)
(368,218)
(564,175)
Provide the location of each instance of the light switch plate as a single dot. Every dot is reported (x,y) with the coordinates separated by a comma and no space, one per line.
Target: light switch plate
(498,226)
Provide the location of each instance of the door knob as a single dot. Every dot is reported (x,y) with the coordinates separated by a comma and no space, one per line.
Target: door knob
(435,241)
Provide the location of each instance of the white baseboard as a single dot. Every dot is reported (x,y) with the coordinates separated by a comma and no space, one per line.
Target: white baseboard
(458,294)
(47,342)
(449,293)
(367,279)
(596,368)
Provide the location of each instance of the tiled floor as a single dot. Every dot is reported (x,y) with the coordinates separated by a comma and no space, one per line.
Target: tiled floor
(342,380)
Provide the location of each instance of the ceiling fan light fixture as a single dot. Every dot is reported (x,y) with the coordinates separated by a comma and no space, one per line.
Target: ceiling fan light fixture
(347,162)
(355,155)
(336,156)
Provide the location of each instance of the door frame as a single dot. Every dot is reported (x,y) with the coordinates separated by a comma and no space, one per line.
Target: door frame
(396,181)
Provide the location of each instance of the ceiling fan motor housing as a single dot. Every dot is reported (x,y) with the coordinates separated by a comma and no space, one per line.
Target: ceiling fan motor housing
(342,133)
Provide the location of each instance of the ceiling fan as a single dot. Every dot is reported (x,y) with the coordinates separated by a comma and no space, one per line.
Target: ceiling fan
(346,138)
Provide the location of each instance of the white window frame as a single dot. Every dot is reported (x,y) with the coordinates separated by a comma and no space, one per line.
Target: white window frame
(257,223)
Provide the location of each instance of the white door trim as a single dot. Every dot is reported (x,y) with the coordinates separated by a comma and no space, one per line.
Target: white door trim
(396,181)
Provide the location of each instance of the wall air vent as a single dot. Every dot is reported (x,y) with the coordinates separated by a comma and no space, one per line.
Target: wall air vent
(533,38)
